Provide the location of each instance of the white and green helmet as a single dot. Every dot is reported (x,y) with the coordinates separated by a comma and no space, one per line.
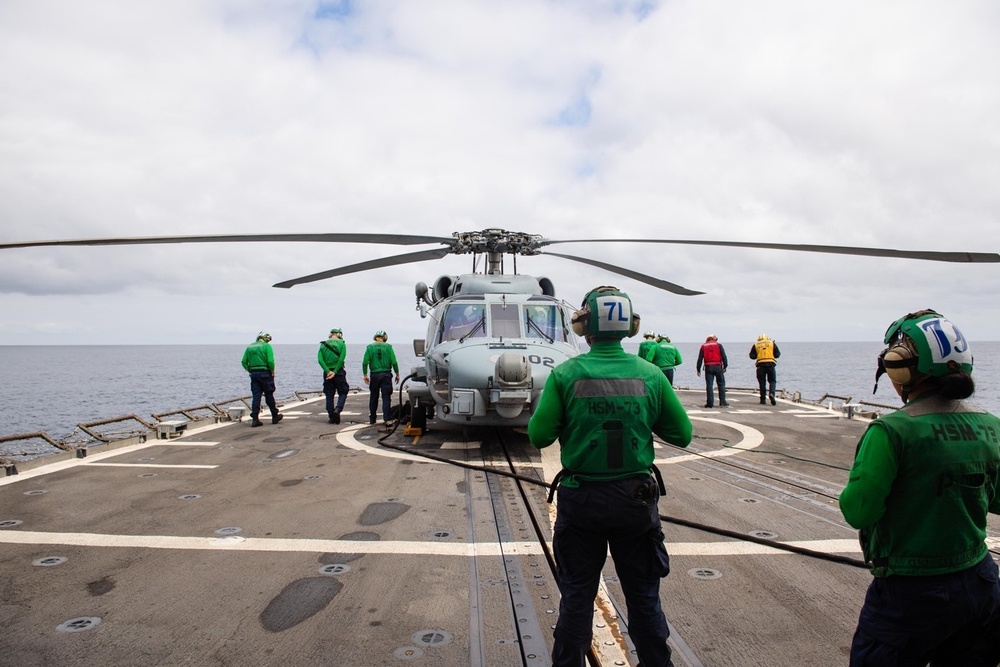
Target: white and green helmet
(609,313)
(940,347)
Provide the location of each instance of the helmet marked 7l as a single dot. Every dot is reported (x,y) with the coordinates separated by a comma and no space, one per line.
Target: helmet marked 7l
(606,312)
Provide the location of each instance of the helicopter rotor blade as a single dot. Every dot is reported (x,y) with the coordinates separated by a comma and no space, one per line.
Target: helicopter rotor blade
(395,260)
(390,239)
(635,275)
(930,255)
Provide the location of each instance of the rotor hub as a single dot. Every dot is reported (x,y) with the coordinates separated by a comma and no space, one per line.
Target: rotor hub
(500,241)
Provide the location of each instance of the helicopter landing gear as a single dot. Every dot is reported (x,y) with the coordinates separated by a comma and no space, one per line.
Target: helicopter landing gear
(418,417)
(418,420)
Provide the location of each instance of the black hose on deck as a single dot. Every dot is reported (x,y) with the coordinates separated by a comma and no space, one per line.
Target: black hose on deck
(833,558)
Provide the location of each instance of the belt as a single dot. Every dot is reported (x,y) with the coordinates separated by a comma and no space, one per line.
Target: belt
(559,475)
(260,370)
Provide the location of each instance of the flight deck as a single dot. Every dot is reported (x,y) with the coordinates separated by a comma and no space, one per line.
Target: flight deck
(308,543)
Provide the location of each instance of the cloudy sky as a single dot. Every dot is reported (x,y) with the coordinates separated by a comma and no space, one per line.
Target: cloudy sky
(850,123)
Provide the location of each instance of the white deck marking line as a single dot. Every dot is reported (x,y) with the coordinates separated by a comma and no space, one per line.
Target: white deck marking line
(152,465)
(751,438)
(297,545)
(817,416)
(92,458)
(346,437)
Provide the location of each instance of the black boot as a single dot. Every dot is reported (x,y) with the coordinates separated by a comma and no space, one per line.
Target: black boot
(256,422)
(277,418)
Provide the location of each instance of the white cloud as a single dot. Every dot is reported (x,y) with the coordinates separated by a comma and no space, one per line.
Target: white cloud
(847,124)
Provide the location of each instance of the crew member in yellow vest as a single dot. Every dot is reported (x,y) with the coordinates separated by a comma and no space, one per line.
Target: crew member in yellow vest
(766,352)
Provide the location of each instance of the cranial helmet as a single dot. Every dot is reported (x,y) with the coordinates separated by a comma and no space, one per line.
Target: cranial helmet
(763,337)
(264,336)
(663,339)
(649,334)
(381,334)
(606,312)
(922,344)
(336,331)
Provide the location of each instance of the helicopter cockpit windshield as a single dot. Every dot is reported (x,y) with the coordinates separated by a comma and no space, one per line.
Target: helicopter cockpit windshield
(508,320)
(543,322)
(505,320)
(463,320)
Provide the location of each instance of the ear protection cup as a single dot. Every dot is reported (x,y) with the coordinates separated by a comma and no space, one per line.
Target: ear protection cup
(900,364)
(634,328)
(581,319)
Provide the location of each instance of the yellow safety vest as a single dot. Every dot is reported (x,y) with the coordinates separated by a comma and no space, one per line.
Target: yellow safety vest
(765,350)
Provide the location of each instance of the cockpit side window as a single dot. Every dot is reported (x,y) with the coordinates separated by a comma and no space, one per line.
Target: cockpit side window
(543,322)
(463,320)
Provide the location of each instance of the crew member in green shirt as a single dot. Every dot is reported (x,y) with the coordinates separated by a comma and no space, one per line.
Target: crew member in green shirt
(258,360)
(381,358)
(668,357)
(604,407)
(331,356)
(923,480)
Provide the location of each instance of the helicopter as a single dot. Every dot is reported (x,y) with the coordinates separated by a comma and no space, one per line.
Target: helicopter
(492,336)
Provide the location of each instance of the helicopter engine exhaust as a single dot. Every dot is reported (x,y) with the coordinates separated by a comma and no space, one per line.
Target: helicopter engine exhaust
(511,391)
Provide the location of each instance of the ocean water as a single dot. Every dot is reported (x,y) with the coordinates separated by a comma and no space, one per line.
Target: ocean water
(54,388)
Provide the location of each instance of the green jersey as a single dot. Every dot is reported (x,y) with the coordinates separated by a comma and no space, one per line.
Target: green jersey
(604,407)
(332,355)
(647,350)
(258,357)
(923,480)
(667,356)
(380,357)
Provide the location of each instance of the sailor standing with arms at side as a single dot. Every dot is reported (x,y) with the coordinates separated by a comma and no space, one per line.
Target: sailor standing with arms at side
(258,360)
(331,356)
(381,358)
(647,348)
(668,357)
(923,480)
(604,406)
